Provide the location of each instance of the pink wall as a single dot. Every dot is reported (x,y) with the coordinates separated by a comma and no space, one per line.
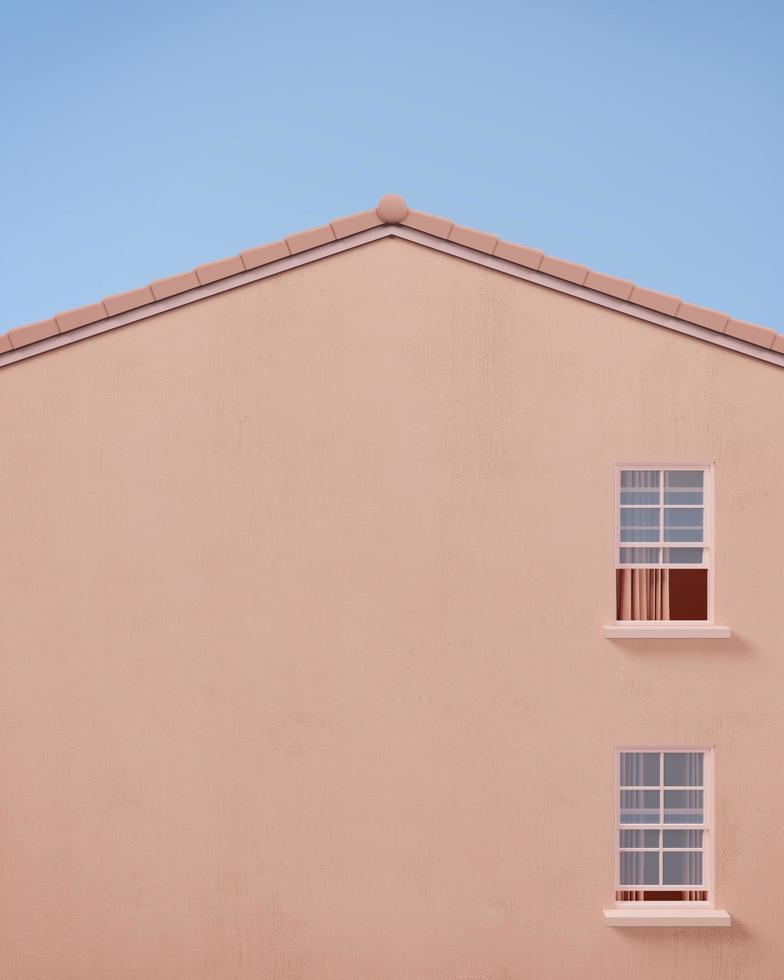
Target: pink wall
(302,666)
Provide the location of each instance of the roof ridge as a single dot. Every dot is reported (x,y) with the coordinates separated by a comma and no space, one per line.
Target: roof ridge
(392,209)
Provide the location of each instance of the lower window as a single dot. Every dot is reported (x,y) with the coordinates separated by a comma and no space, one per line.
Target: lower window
(664,833)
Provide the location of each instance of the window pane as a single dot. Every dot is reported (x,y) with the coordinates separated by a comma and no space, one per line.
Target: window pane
(639,868)
(640,478)
(682,534)
(639,524)
(682,556)
(641,497)
(675,838)
(640,556)
(649,838)
(645,534)
(683,768)
(639,806)
(639,768)
(684,478)
(682,868)
(684,524)
(640,517)
(679,497)
(681,806)
(681,516)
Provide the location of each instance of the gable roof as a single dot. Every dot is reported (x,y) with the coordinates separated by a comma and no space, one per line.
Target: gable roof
(392,217)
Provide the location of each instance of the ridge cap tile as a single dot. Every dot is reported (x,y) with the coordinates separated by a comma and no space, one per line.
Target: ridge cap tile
(562,269)
(778,343)
(172,285)
(352,224)
(703,316)
(219,269)
(654,300)
(751,332)
(80,316)
(301,241)
(253,258)
(480,241)
(129,300)
(430,224)
(610,285)
(531,258)
(30,332)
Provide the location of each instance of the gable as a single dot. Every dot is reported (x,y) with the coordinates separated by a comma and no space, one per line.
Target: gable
(392,218)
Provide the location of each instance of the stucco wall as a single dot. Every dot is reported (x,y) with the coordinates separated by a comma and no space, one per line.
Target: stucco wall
(302,672)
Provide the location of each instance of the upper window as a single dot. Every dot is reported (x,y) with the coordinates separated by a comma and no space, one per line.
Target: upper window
(662,544)
(664,850)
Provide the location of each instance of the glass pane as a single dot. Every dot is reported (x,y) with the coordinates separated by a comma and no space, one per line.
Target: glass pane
(642,497)
(640,478)
(682,534)
(684,478)
(641,517)
(683,768)
(682,556)
(680,516)
(682,806)
(679,497)
(682,868)
(639,524)
(639,768)
(684,524)
(639,556)
(645,534)
(648,838)
(639,806)
(639,868)
(675,838)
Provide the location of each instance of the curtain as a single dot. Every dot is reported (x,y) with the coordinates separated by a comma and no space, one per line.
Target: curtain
(644,593)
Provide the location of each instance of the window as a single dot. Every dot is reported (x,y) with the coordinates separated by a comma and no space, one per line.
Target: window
(662,544)
(664,835)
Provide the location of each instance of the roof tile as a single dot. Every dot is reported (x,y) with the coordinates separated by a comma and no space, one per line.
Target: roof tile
(81,316)
(702,316)
(610,285)
(354,223)
(531,258)
(778,343)
(172,285)
(478,240)
(213,271)
(21,336)
(660,302)
(393,209)
(754,334)
(122,302)
(570,271)
(264,254)
(428,223)
(304,240)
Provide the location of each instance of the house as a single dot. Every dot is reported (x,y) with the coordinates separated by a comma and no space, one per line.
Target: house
(391,602)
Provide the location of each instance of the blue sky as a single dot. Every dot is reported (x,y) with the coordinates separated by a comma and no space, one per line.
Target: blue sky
(642,139)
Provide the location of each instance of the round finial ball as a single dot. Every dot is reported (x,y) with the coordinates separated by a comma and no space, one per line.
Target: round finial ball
(392,209)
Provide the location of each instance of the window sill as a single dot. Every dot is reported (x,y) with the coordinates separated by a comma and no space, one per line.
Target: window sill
(666,631)
(639,917)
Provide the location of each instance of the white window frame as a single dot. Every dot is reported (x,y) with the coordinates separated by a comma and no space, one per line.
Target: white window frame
(707,545)
(708,828)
